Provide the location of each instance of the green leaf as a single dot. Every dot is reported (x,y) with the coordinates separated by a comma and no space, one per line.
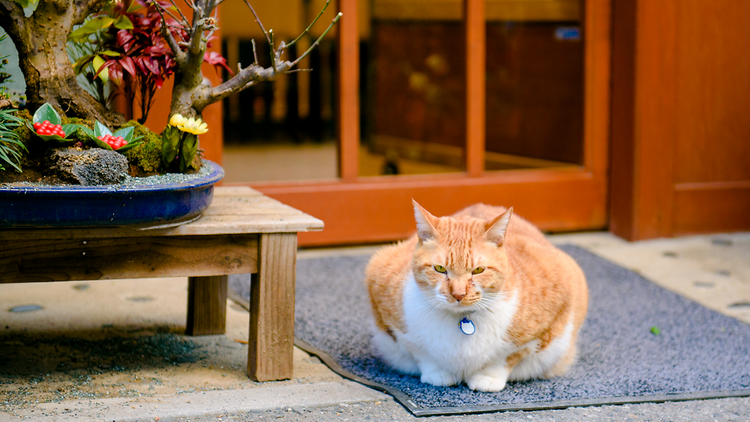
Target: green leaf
(70,128)
(55,138)
(104,74)
(86,131)
(170,145)
(101,144)
(101,130)
(80,63)
(109,53)
(655,331)
(187,151)
(98,23)
(126,133)
(134,6)
(46,112)
(25,3)
(123,22)
(89,28)
(128,146)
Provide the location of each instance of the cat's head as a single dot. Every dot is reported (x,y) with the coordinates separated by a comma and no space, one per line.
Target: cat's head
(460,263)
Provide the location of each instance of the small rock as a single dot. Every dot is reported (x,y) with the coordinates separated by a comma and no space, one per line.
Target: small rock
(25,308)
(89,167)
(721,242)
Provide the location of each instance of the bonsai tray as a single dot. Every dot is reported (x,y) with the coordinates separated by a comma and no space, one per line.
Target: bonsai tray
(241,232)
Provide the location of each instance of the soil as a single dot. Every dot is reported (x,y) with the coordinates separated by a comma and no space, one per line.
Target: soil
(33,171)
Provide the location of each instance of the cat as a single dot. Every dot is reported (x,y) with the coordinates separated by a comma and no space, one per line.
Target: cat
(477,297)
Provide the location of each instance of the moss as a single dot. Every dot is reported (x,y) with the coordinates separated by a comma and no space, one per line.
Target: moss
(78,135)
(144,159)
(23,131)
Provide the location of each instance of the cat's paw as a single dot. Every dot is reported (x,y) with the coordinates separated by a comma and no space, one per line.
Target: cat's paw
(438,378)
(487,383)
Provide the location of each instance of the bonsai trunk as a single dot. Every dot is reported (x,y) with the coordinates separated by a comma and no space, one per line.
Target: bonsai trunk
(40,40)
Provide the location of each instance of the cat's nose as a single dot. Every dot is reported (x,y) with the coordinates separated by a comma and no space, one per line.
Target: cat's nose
(458,296)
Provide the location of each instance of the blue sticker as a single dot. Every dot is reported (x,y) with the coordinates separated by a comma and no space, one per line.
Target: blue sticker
(568,33)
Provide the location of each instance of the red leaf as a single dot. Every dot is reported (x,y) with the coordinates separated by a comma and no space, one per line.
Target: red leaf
(128,64)
(152,65)
(159,82)
(124,39)
(140,62)
(216,59)
(115,74)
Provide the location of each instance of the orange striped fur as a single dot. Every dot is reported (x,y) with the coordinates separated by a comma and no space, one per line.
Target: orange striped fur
(526,298)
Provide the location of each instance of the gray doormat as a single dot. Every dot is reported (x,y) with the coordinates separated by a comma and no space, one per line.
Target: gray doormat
(698,353)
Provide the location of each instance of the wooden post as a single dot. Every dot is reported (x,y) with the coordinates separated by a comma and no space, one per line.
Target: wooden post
(271,342)
(348,92)
(476,71)
(207,305)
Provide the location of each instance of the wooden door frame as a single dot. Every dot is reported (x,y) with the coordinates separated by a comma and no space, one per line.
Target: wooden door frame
(378,209)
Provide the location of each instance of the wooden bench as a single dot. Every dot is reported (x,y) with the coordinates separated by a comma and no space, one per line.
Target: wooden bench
(241,232)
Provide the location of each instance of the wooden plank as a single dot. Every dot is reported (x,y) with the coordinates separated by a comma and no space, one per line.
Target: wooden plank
(556,200)
(234,191)
(271,342)
(622,187)
(117,258)
(711,207)
(655,119)
(207,305)
(597,35)
(476,73)
(348,91)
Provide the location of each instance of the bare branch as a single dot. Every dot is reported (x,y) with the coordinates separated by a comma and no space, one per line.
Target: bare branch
(257,19)
(311,25)
(244,78)
(83,8)
(185,24)
(273,50)
(196,36)
(192,6)
(185,20)
(255,54)
(179,55)
(315,44)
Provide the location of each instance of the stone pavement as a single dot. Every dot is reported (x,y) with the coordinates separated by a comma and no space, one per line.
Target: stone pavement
(113,350)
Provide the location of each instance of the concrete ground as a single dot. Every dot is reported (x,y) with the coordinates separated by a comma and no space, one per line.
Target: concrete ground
(114,350)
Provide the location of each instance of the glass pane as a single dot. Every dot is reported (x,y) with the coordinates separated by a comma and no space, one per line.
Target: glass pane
(534,84)
(282,130)
(414,77)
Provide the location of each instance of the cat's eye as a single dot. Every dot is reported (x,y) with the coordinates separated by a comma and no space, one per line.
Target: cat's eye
(478,270)
(440,269)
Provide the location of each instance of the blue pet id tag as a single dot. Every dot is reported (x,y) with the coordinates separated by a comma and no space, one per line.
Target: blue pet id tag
(466,326)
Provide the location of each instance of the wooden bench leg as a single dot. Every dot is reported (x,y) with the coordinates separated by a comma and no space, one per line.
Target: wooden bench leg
(271,342)
(207,305)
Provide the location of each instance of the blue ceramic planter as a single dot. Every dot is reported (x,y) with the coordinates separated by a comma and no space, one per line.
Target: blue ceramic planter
(112,205)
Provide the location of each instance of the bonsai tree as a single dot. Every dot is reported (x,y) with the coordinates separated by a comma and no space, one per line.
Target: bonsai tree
(41,39)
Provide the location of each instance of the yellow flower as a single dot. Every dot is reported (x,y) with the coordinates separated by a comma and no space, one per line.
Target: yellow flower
(177,120)
(194,126)
(191,125)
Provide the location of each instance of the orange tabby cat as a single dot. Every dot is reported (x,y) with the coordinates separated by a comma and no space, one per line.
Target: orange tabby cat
(478,297)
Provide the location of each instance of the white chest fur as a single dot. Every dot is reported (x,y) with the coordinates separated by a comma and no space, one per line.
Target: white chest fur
(434,333)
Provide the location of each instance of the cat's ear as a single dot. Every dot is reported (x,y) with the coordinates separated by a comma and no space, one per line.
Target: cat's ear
(496,228)
(425,227)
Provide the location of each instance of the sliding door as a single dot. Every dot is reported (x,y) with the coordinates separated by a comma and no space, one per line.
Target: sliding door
(448,102)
